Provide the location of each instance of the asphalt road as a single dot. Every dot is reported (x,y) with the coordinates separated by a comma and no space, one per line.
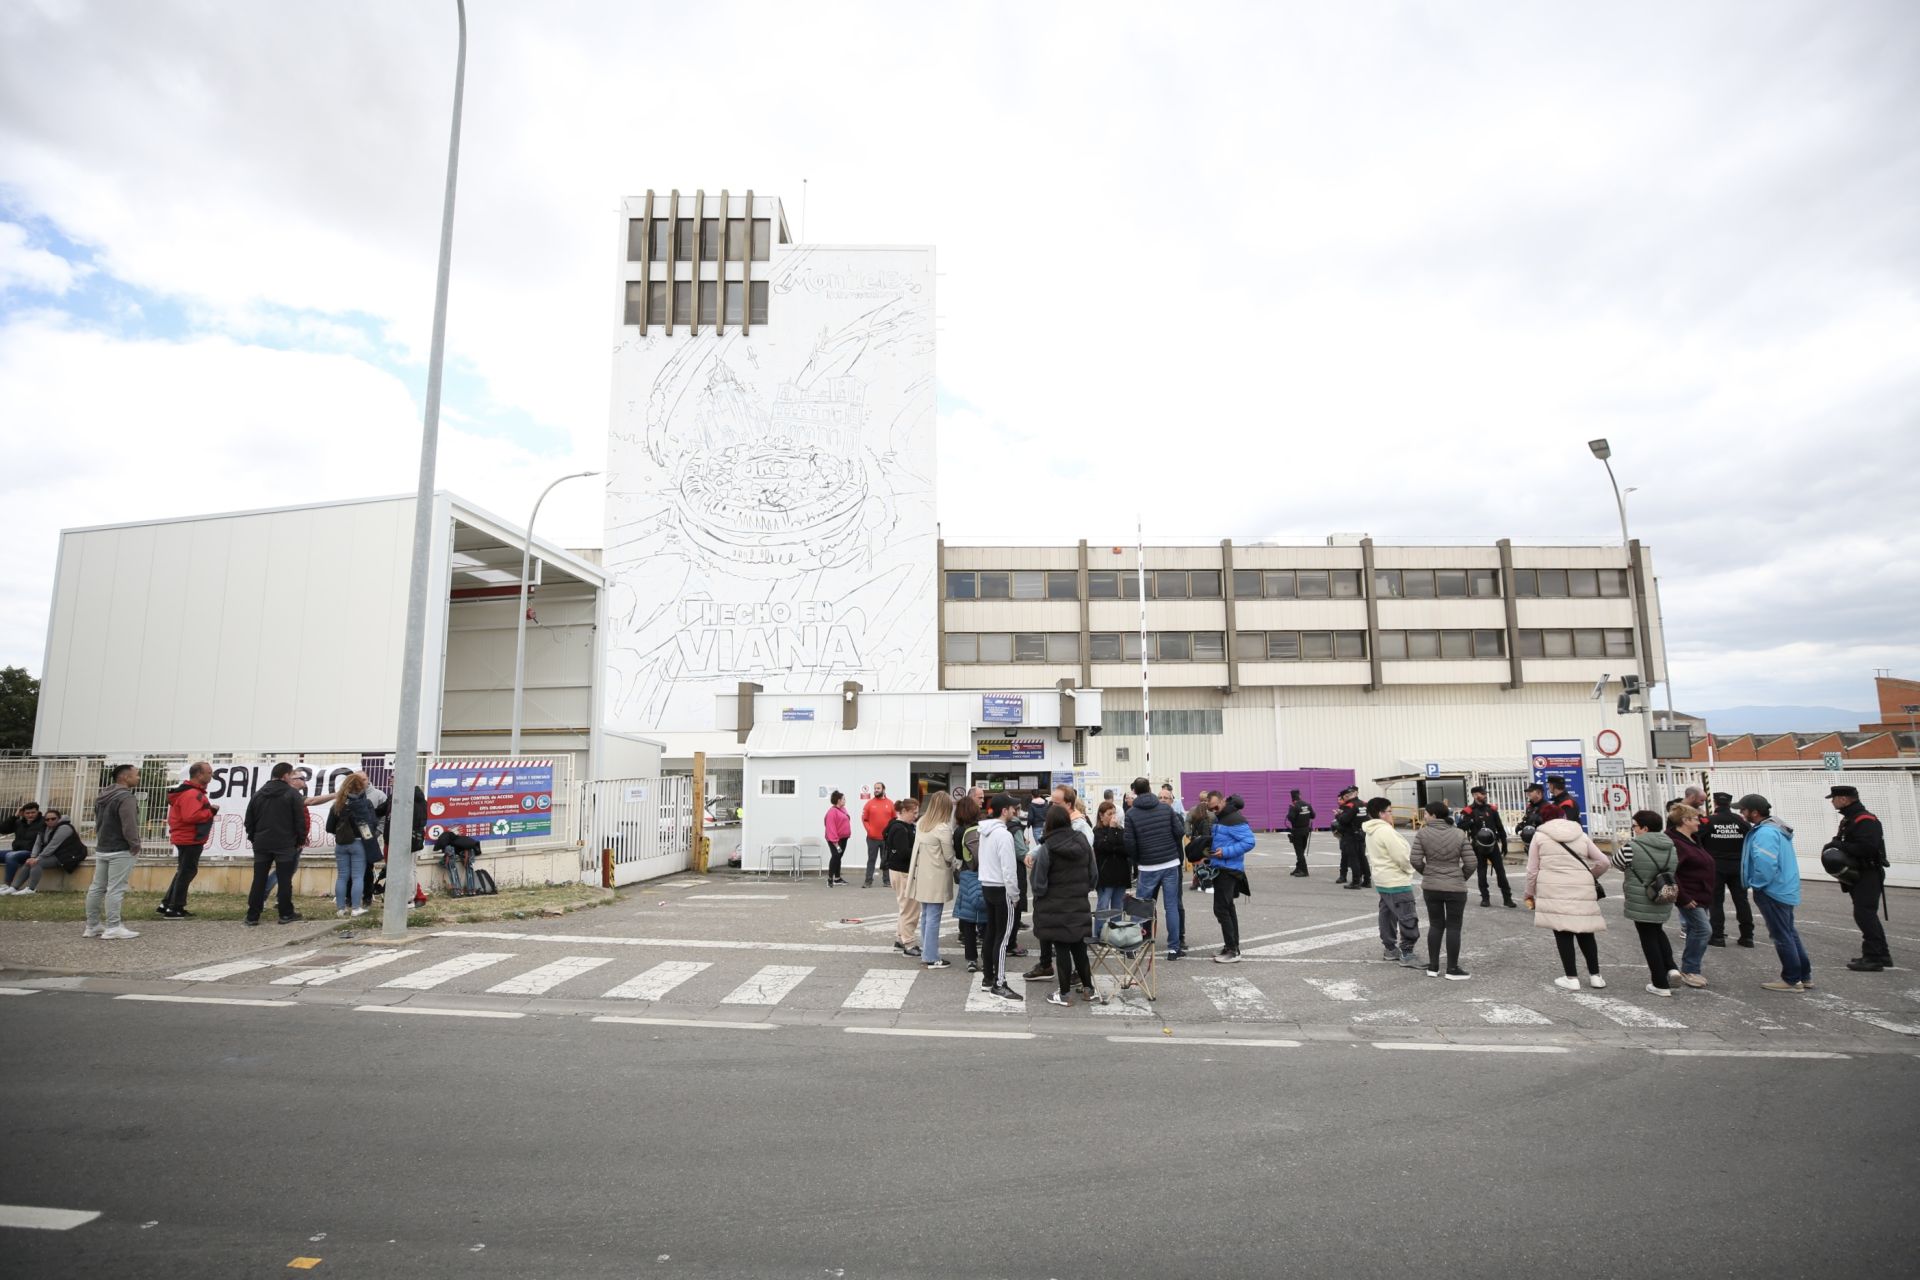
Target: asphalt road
(231,1140)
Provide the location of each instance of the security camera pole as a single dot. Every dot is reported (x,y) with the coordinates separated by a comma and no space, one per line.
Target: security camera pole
(406,738)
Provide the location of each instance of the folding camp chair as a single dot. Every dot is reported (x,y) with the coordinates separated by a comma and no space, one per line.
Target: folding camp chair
(1128,963)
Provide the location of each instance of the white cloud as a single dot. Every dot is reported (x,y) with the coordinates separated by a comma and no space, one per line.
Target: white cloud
(23,266)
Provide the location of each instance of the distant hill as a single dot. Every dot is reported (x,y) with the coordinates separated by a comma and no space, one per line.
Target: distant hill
(1785,719)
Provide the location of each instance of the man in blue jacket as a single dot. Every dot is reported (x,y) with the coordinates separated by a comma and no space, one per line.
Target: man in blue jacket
(1232,841)
(1771,870)
(1153,833)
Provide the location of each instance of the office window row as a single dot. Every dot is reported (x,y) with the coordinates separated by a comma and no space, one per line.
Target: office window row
(1587,642)
(1162,584)
(1162,646)
(1444,646)
(1436,584)
(1299,646)
(1173,723)
(1296,584)
(648,304)
(1023,646)
(699,240)
(1013,584)
(1559,584)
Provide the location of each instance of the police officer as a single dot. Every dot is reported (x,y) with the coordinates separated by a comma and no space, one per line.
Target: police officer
(1347,824)
(1863,842)
(1299,829)
(1488,834)
(1724,834)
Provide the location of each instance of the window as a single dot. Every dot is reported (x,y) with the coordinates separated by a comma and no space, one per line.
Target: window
(710,240)
(1613,582)
(683,249)
(1204,584)
(1489,644)
(1063,646)
(1588,644)
(1349,644)
(762,239)
(1316,646)
(635,312)
(736,303)
(662,233)
(776,786)
(1559,644)
(1386,584)
(1531,645)
(1030,647)
(962,647)
(1526,583)
(1417,583)
(1583,582)
(1553,583)
(1250,646)
(636,242)
(683,302)
(1619,643)
(1173,646)
(736,239)
(996,584)
(1283,646)
(1103,584)
(1393,646)
(1313,584)
(1450,584)
(996,648)
(1456,646)
(1209,646)
(709,301)
(1170,584)
(1173,723)
(1345,584)
(961,586)
(1029,584)
(1246,584)
(1483,584)
(1423,645)
(1280,584)
(1104,646)
(757,302)
(1063,584)
(657,302)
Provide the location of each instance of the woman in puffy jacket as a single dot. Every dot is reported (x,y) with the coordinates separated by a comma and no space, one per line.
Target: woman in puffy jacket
(54,836)
(1647,856)
(1563,868)
(1699,882)
(839,830)
(1113,869)
(969,899)
(930,873)
(1232,842)
(1442,854)
(1061,878)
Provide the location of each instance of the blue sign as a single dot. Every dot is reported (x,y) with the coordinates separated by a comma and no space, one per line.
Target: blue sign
(1003,708)
(1564,759)
(490,799)
(796,713)
(1433,769)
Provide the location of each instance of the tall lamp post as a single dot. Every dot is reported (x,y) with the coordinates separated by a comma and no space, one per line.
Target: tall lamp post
(520,628)
(1603,451)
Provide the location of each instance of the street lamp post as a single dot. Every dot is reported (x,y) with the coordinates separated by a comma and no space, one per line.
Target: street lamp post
(520,628)
(1603,451)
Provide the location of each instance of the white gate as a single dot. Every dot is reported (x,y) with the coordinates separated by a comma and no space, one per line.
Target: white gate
(646,823)
(1799,799)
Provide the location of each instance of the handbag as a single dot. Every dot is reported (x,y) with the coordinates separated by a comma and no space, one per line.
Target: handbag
(1123,933)
(1662,889)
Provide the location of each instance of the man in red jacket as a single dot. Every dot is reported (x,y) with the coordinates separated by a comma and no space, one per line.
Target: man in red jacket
(875,816)
(189,822)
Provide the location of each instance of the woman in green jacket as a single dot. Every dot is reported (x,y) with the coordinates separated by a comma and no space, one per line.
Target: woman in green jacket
(1649,854)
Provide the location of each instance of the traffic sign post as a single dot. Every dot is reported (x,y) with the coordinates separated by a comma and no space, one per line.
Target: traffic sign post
(1832,760)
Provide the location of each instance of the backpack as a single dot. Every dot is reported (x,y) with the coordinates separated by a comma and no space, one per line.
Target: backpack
(1662,889)
(72,853)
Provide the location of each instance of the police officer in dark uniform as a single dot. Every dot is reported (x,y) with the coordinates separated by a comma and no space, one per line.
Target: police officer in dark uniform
(1299,829)
(1862,841)
(1488,834)
(1724,834)
(1347,820)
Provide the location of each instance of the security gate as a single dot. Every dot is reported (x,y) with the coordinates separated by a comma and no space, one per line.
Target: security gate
(646,824)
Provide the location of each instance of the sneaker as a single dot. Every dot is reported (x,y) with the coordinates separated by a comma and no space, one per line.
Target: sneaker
(939,964)
(1673,976)
(1020,953)
(1486,902)
(341,914)
(118,932)
(899,945)
(1171,955)
(1356,885)
(252,921)
(1716,942)
(1296,872)
(1864,965)
(292,918)
(1596,982)
(1054,997)
(1390,956)
(358,911)
(1088,992)
(1693,980)
(1407,961)
(1433,973)
(973,966)
(1781,986)
(5,890)
(1038,972)
(1457,974)
(914,952)
(1511,905)
(23,893)
(1745,942)
(1227,957)
(1567,984)
(1806,984)
(1659,991)
(1006,992)
(93,931)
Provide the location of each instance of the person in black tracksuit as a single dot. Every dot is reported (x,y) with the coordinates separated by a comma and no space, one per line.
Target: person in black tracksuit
(1482,816)
(1299,829)
(1724,834)
(1348,822)
(1864,842)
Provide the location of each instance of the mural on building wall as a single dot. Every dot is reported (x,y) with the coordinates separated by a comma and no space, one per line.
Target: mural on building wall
(770,500)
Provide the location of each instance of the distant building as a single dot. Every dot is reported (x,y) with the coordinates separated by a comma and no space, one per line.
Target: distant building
(1895,734)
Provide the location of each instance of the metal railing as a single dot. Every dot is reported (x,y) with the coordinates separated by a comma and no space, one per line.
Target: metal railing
(646,823)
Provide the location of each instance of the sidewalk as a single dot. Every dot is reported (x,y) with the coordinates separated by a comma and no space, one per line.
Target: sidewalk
(164,946)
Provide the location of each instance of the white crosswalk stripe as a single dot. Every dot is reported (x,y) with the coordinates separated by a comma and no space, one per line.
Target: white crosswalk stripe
(333,973)
(1872,1017)
(1513,1015)
(882,989)
(656,982)
(215,972)
(1339,989)
(1627,1015)
(548,976)
(979,1001)
(770,986)
(1132,1003)
(1297,945)
(447,970)
(1235,997)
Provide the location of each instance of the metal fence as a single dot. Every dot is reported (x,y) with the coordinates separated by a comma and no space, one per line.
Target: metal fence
(647,824)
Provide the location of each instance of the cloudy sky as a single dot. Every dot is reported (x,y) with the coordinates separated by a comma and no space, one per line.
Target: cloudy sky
(1265,270)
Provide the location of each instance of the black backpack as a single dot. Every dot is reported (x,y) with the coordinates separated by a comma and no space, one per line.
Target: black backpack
(71,854)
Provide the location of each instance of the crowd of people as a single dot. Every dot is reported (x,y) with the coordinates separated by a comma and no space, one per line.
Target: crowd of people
(994,860)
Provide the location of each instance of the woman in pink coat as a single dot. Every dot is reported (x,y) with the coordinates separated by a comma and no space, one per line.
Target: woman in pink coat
(839,829)
(1562,866)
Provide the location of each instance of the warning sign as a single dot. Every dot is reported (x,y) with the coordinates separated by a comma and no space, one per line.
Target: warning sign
(490,799)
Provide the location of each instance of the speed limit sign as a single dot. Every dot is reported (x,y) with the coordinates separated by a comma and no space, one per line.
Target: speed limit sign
(1617,798)
(1607,742)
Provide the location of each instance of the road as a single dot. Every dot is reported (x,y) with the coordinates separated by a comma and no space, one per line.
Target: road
(325,1116)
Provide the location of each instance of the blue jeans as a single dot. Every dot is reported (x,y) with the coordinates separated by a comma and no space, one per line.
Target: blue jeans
(1166,883)
(930,913)
(350,874)
(1696,925)
(1108,900)
(1794,964)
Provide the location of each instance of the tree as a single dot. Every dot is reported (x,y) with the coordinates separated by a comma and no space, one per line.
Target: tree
(19,697)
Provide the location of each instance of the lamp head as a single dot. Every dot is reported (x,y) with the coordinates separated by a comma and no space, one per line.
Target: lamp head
(1601,449)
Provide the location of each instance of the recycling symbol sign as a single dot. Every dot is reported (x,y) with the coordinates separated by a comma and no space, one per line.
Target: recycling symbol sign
(500,827)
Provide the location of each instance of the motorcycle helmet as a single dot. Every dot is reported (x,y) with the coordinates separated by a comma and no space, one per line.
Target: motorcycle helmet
(1483,838)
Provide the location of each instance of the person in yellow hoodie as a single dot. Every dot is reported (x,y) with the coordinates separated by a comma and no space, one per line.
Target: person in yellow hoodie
(1392,865)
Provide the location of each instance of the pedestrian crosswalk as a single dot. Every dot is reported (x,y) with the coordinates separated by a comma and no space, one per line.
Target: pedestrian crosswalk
(1186,993)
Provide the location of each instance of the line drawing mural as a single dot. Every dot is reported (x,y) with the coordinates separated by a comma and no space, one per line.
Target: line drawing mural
(770,496)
